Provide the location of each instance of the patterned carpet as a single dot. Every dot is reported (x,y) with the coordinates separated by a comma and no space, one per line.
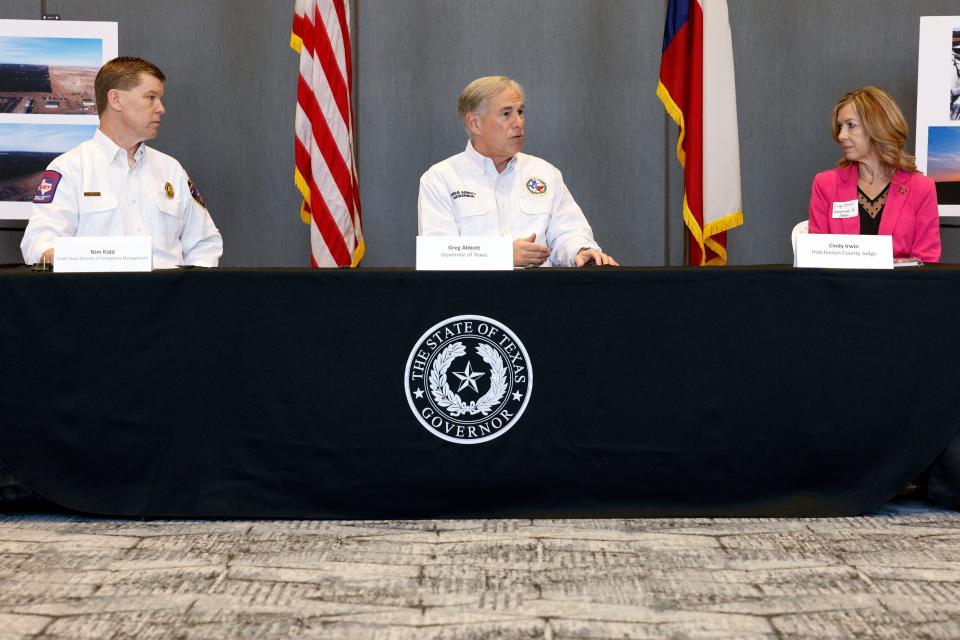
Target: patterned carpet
(893,574)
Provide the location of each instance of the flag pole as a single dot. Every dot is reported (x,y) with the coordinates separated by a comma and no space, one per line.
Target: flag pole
(668,158)
(666,189)
(354,27)
(667,150)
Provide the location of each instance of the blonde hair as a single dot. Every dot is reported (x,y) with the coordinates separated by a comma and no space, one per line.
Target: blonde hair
(883,122)
(474,97)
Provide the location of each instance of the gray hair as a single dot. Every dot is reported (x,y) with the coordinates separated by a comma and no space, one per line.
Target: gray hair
(474,97)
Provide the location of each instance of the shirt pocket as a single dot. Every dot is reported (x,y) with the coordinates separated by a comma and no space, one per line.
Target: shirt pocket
(535,206)
(98,216)
(472,217)
(168,220)
(90,205)
(534,218)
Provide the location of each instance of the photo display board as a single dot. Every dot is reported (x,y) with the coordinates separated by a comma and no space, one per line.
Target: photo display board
(47,102)
(938,108)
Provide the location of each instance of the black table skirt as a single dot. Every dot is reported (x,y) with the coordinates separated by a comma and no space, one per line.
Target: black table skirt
(280,393)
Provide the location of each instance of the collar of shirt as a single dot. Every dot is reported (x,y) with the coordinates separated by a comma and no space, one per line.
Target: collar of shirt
(485,165)
(113,152)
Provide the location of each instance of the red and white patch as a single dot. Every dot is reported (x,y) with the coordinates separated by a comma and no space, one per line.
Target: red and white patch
(47,187)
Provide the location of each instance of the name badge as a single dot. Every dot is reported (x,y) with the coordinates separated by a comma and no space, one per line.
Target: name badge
(464,253)
(846,209)
(839,251)
(102,254)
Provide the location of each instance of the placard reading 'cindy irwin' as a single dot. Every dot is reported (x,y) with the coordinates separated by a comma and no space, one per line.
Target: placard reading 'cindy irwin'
(464,253)
(838,251)
(102,254)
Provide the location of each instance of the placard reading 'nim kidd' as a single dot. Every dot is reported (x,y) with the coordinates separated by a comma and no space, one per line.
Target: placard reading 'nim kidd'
(102,254)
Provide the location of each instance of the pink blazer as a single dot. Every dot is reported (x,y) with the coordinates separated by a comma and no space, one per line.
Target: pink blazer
(910,214)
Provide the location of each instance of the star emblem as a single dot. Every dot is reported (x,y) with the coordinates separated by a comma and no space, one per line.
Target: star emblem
(468,378)
(517,395)
(418,393)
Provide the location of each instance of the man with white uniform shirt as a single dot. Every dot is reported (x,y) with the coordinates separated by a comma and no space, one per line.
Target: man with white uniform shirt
(491,189)
(114,185)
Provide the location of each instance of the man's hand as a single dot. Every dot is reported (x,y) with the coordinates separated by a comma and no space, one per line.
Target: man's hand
(594,256)
(46,257)
(527,253)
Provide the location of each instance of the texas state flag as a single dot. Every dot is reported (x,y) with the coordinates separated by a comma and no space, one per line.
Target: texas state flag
(698,90)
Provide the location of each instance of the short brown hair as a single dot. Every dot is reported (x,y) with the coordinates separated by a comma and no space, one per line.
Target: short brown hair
(122,73)
(473,98)
(883,121)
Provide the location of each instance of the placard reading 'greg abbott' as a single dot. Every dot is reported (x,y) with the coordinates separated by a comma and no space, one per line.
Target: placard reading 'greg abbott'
(464,253)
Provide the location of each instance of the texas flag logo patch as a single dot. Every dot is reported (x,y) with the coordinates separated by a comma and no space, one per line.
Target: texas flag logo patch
(536,186)
(47,187)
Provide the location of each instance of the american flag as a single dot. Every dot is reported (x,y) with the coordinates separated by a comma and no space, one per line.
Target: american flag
(326,173)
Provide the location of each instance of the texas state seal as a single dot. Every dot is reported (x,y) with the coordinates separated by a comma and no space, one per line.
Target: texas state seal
(468,379)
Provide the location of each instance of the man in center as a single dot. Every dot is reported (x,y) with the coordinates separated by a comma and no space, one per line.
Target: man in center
(492,189)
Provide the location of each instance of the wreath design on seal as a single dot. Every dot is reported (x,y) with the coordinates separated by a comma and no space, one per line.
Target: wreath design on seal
(450,401)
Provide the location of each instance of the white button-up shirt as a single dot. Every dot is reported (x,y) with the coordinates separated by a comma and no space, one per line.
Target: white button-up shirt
(465,196)
(98,193)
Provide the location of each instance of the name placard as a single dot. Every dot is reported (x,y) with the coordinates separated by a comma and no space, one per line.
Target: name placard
(464,253)
(99,254)
(837,251)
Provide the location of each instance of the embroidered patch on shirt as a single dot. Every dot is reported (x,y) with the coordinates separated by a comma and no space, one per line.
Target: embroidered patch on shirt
(463,194)
(47,187)
(537,186)
(196,194)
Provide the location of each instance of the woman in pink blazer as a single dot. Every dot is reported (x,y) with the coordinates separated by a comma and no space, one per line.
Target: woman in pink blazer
(876,188)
